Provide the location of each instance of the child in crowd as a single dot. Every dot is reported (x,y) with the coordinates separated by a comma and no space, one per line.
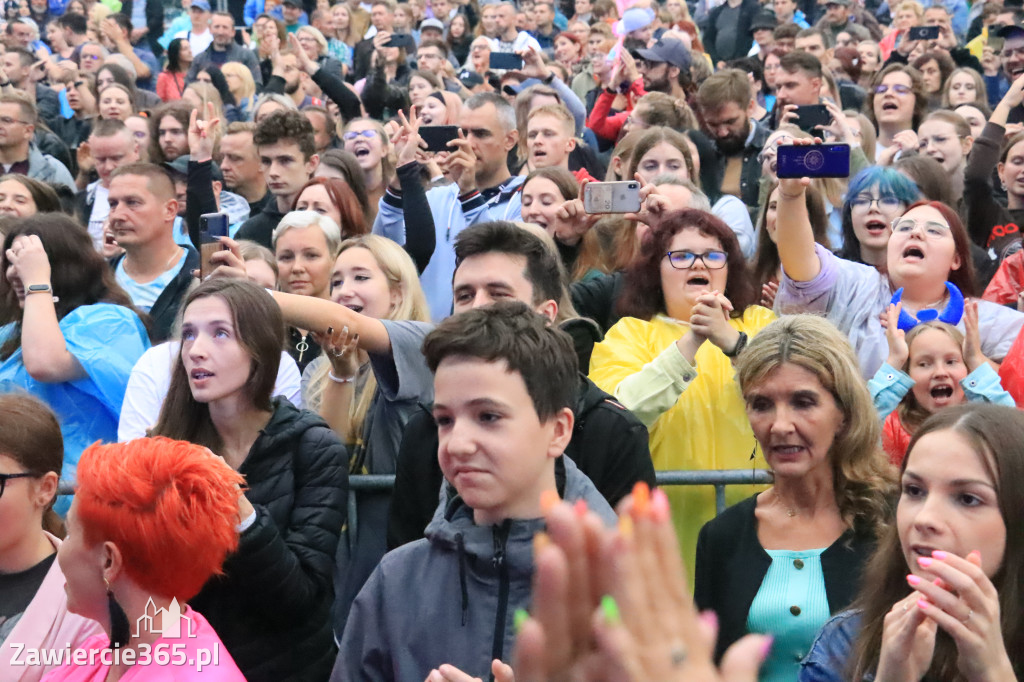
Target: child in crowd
(504,384)
(930,367)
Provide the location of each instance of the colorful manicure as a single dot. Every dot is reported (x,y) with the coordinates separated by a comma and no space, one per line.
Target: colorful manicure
(580,507)
(924,561)
(766,648)
(519,619)
(610,609)
(540,542)
(641,498)
(710,619)
(913,580)
(659,506)
(939,554)
(548,499)
(923,603)
(626,526)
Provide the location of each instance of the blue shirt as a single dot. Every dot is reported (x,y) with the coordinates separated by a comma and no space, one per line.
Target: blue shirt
(106,340)
(791,605)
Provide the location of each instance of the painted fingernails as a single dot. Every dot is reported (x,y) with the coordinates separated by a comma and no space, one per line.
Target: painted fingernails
(610,610)
(519,619)
(913,580)
(766,647)
(924,561)
(939,554)
(710,619)
(548,499)
(540,541)
(580,507)
(923,603)
(641,498)
(659,506)
(626,526)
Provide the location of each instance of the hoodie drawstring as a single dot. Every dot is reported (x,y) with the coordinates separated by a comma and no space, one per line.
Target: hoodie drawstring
(461,544)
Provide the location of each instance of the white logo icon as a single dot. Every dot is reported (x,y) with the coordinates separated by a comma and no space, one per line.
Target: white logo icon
(170,622)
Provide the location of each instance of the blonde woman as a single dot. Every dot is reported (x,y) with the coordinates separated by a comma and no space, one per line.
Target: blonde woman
(314,44)
(242,86)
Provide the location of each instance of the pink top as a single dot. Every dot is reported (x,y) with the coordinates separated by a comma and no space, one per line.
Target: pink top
(197,653)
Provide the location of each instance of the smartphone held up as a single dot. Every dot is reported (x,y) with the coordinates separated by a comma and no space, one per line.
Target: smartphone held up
(612,197)
(212,226)
(813,161)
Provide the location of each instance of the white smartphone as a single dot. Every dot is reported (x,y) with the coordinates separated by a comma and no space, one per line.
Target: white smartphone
(612,197)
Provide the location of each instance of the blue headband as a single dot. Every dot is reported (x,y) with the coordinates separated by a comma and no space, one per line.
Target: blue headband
(951,314)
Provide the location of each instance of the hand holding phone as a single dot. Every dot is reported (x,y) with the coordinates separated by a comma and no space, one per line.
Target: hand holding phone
(438,137)
(612,197)
(212,226)
(923,33)
(506,61)
(813,161)
(812,117)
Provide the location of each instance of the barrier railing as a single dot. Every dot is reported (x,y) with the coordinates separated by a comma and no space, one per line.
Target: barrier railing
(719,478)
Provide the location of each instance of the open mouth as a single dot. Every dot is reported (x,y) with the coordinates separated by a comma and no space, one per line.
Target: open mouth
(427,120)
(786,450)
(890,106)
(698,280)
(944,392)
(1017,71)
(913,252)
(875,227)
(199,374)
(354,308)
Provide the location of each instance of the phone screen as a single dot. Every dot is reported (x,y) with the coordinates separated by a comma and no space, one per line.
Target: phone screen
(212,226)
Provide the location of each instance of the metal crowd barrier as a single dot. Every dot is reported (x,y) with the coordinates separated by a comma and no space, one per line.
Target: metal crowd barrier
(719,478)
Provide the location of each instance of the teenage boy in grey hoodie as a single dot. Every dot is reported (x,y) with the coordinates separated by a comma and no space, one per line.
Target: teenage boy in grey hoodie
(504,386)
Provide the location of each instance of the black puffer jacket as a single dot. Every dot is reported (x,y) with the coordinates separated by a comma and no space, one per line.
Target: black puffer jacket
(272,606)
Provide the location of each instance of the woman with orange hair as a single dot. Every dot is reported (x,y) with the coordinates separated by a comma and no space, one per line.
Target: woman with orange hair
(152,520)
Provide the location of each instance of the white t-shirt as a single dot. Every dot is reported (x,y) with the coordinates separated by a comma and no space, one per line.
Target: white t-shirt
(151,378)
(197,41)
(100,211)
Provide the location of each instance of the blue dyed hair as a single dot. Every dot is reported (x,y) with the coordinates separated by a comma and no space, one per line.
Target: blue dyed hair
(890,182)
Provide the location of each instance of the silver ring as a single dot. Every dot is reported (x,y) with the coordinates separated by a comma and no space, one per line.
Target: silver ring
(679,655)
(970,612)
(906,607)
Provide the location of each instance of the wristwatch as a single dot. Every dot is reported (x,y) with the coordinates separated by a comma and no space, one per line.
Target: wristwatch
(741,343)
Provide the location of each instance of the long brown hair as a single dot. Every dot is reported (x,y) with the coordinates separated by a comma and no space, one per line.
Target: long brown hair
(30,435)
(78,274)
(259,328)
(766,261)
(996,434)
(643,296)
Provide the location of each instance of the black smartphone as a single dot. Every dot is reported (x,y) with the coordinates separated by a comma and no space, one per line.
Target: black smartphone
(211,227)
(810,116)
(813,161)
(401,40)
(506,61)
(438,137)
(923,33)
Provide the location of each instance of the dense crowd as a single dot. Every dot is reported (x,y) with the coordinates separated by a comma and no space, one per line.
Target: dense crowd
(254,248)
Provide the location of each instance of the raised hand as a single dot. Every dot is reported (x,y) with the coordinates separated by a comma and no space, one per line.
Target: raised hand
(959,598)
(342,349)
(308,65)
(899,351)
(973,356)
(653,204)
(406,141)
(460,165)
(533,64)
(1015,94)
(201,133)
(768,292)
(710,319)
(908,642)
(29,260)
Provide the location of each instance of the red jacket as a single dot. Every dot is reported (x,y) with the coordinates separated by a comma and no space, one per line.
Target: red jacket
(608,126)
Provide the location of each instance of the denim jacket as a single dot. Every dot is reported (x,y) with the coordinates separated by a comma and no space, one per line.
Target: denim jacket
(830,652)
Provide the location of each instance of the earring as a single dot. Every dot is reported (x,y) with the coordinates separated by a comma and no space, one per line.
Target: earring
(119,634)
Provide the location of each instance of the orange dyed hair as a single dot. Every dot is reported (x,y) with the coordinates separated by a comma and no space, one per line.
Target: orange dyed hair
(171,508)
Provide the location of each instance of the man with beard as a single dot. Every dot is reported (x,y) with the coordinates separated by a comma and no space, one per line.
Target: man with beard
(724,101)
(663,66)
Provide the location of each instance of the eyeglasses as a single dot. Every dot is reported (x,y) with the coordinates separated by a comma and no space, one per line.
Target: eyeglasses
(772,150)
(932,230)
(6,477)
(7,120)
(862,202)
(90,57)
(684,260)
(899,89)
(356,134)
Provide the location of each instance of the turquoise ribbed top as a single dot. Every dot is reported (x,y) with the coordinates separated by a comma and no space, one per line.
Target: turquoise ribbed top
(792,606)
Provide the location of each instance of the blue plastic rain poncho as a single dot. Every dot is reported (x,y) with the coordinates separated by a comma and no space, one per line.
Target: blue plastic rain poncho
(106,340)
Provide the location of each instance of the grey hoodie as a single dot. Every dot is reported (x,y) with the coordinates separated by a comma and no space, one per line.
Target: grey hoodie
(449,598)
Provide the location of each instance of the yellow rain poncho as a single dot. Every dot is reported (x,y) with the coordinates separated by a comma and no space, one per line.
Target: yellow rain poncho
(696,416)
